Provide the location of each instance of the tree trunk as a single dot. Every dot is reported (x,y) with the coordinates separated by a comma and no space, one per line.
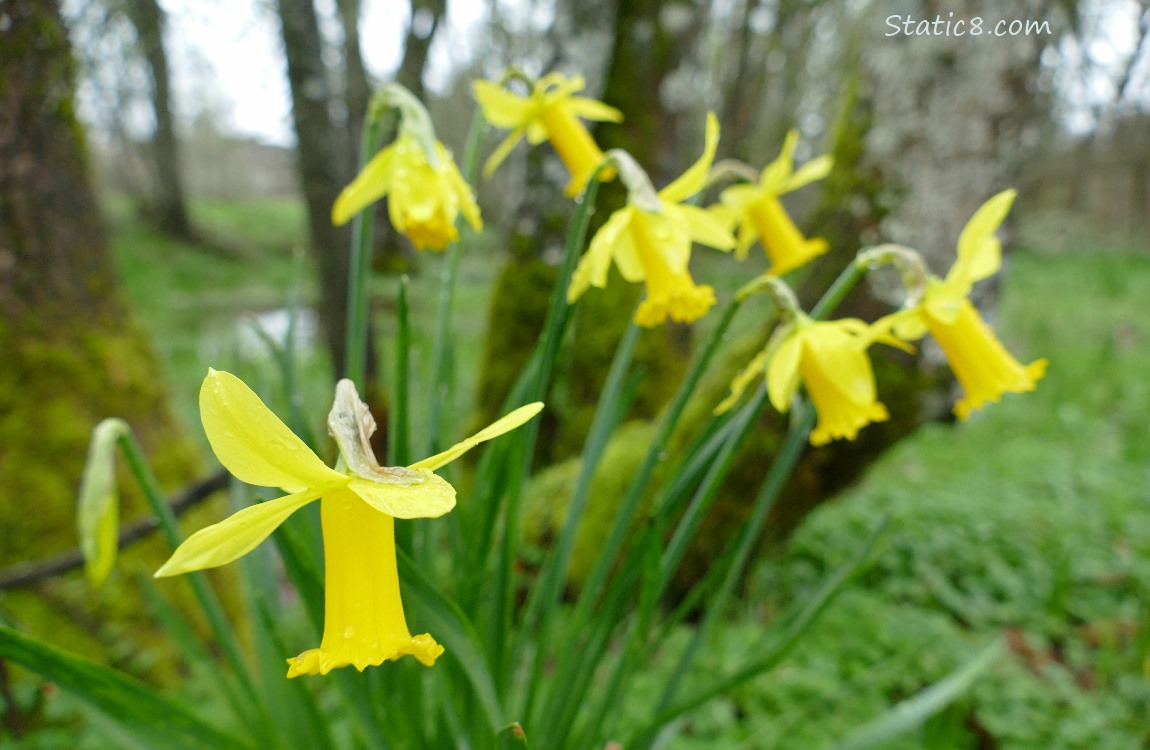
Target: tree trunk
(72,353)
(322,160)
(167,203)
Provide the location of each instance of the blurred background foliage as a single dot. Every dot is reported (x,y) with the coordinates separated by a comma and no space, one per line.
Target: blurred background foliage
(1030,521)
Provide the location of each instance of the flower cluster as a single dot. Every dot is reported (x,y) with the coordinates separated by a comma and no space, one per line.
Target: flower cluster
(648,240)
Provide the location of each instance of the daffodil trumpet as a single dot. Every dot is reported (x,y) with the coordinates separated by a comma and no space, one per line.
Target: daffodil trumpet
(550,112)
(426,192)
(364,623)
(985,370)
(757,213)
(650,238)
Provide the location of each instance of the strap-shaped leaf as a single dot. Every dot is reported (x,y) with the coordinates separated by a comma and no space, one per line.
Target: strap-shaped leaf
(156,720)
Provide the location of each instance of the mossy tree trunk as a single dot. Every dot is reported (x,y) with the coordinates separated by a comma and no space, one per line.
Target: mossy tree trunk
(927,133)
(72,353)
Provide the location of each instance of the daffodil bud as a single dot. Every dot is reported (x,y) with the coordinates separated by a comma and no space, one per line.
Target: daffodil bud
(98,510)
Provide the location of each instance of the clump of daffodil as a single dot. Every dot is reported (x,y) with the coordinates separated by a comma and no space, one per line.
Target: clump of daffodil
(829,358)
(983,367)
(364,622)
(425,191)
(650,240)
(756,210)
(550,112)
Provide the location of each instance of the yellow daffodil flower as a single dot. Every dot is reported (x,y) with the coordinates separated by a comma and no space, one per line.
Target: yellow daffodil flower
(364,622)
(654,246)
(983,367)
(830,359)
(425,195)
(551,112)
(758,213)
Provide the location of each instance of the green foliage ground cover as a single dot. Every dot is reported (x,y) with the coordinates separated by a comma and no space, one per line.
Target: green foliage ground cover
(1030,523)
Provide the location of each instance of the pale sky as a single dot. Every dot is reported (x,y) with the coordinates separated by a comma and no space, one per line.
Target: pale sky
(226,56)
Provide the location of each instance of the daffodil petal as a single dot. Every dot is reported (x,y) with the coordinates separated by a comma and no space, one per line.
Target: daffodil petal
(429,498)
(234,536)
(979,250)
(493,430)
(591,109)
(737,197)
(839,348)
(783,371)
(502,152)
(775,175)
(744,378)
(368,186)
(593,266)
(815,169)
(253,444)
(705,228)
(564,87)
(693,180)
(502,108)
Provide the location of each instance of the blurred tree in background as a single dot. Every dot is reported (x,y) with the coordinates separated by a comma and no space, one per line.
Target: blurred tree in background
(73,354)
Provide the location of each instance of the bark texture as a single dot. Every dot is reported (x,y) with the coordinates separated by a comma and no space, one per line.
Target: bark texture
(323,157)
(168,204)
(72,353)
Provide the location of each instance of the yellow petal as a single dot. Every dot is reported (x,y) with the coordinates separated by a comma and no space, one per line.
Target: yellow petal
(815,169)
(430,497)
(705,228)
(502,108)
(234,536)
(590,109)
(493,430)
(502,152)
(776,174)
(593,266)
(783,371)
(369,186)
(253,444)
(979,251)
(742,380)
(693,180)
(836,347)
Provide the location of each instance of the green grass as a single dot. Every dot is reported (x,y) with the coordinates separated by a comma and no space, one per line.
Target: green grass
(194,300)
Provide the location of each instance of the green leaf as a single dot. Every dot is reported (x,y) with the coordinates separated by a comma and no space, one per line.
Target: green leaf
(913,712)
(451,628)
(156,720)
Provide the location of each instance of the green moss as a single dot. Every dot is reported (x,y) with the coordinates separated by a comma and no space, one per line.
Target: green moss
(549,493)
(55,387)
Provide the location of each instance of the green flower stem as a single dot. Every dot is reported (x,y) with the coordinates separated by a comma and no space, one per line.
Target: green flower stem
(543,603)
(570,655)
(838,290)
(440,387)
(399,443)
(779,474)
(708,490)
(655,454)
(359,272)
(531,385)
(170,530)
